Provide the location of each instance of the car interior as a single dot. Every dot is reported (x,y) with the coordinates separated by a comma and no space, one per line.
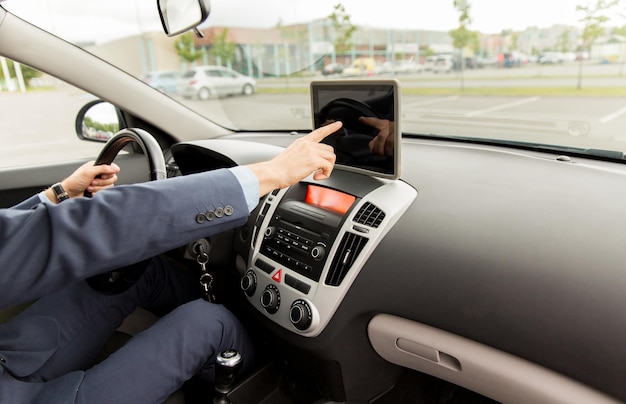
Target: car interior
(443,271)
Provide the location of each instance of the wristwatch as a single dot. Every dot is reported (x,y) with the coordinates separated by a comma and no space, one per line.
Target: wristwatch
(59,192)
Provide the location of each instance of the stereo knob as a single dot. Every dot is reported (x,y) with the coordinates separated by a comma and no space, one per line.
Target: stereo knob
(318,252)
(270,299)
(270,231)
(248,283)
(300,315)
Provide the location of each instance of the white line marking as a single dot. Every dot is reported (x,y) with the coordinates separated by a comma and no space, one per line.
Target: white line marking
(503,106)
(614,115)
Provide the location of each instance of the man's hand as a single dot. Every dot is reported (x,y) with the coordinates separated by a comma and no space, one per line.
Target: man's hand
(84,179)
(303,157)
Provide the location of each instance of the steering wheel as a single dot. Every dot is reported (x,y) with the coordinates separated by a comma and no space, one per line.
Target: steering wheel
(119,280)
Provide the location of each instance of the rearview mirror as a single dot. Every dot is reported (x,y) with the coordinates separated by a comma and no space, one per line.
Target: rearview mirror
(178,16)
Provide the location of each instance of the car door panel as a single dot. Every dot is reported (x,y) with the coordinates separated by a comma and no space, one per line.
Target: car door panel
(19,183)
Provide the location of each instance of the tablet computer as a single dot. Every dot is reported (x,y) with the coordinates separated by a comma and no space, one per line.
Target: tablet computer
(369,141)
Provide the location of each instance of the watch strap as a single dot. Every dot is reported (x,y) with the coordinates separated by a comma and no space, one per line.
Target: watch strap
(59,192)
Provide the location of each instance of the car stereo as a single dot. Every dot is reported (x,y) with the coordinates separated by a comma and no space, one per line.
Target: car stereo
(304,226)
(309,242)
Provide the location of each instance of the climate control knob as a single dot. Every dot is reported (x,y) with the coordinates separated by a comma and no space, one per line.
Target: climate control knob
(248,283)
(300,315)
(270,299)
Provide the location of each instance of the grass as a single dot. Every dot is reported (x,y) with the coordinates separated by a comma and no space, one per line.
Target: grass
(482,91)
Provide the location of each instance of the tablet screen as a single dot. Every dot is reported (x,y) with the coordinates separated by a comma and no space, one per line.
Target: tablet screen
(369,140)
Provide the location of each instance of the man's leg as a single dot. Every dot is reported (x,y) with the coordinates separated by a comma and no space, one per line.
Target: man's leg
(86,318)
(156,362)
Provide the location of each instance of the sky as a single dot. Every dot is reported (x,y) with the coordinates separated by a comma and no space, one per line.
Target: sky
(489,16)
(116,18)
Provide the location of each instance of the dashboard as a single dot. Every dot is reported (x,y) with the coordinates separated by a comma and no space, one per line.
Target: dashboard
(307,243)
(435,272)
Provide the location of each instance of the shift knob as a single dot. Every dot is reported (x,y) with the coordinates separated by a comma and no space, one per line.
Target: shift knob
(227,364)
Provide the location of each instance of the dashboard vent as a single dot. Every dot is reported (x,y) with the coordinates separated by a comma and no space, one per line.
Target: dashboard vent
(369,215)
(348,251)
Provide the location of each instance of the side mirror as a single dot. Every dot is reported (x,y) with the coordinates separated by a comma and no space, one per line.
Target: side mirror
(178,16)
(98,121)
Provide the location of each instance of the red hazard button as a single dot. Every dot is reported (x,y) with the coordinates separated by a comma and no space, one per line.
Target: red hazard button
(278,275)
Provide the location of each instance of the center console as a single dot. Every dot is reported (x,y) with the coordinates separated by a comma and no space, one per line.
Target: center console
(310,241)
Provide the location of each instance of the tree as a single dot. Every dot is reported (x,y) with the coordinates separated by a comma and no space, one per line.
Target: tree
(222,48)
(595,16)
(462,37)
(620,30)
(295,39)
(344,29)
(186,49)
(28,72)
(514,41)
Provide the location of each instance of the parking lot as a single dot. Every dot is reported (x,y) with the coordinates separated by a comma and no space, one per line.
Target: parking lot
(285,104)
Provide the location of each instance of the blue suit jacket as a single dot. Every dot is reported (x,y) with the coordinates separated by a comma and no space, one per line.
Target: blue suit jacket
(45,247)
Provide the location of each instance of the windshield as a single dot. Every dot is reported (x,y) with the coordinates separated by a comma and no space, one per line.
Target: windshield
(531,72)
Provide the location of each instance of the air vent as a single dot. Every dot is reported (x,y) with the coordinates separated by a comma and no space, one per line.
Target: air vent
(369,215)
(349,249)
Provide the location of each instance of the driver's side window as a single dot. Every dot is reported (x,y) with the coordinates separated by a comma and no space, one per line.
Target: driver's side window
(38,119)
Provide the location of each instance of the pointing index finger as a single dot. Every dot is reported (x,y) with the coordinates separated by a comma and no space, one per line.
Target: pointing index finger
(320,133)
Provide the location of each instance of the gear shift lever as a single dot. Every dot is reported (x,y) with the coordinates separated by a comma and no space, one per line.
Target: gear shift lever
(227,364)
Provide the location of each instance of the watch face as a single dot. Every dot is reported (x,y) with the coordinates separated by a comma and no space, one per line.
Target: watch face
(59,192)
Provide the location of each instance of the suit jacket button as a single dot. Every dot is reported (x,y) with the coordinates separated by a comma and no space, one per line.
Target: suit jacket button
(228,210)
(219,212)
(210,215)
(200,218)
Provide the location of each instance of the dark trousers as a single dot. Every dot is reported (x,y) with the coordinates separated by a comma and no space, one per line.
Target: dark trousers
(154,363)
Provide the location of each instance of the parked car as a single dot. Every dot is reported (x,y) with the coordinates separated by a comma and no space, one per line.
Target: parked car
(550,58)
(164,81)
(204,82)
(362,67)
(333,68)
(443,64)
(508,59)
(429,63)
(403,67)
(490,268)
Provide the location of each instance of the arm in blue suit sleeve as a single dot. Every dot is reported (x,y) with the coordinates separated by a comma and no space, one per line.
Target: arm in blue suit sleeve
(49,246)
(31,202)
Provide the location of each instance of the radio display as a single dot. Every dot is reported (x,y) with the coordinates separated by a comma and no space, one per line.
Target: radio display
(329,199)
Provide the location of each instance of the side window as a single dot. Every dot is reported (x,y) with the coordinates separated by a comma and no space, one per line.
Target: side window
(38,119)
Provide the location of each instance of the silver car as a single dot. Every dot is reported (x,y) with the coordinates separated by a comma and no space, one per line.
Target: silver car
(204,82)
